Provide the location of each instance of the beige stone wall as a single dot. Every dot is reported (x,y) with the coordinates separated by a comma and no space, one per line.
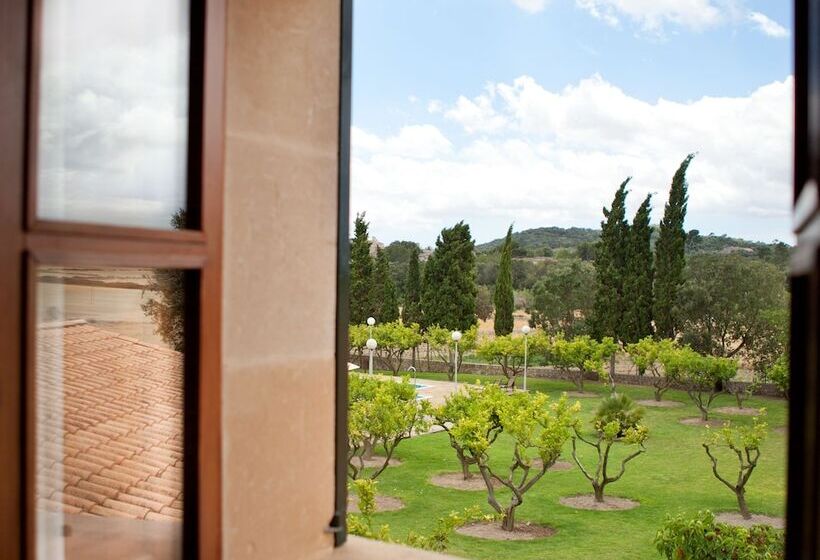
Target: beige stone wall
(279,277)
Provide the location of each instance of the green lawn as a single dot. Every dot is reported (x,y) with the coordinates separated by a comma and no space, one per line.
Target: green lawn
(674,475)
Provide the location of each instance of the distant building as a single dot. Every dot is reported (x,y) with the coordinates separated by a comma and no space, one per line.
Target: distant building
(375,246)
(733,249)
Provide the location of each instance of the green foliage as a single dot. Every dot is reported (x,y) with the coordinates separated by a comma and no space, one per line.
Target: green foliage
(536,240)
(394,339)
(617,421)
(483,302)
(779,374)
(381,414)
(167,311)
(503,298)
(412,297)
(734,305)
(449,291)
(536,431)
(384,292)
(704,377)
(579,355)
(506,351)
(362,303)
(640,275)
(357,336)
(645,354)
(563,298)
(610,269)
(398,255)
(442,345)
(743,443)
(700,537)
(670,254)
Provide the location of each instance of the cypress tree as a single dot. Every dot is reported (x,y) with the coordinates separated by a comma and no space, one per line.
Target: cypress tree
(610,265)
(639,277)
(449,289)
(361,273)
(669,254)
(412,299)
(387,304)
(503,297)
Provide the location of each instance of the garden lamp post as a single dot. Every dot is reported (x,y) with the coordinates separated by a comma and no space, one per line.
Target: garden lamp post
(370,322)
(371,345)
(526,330)
(456,337)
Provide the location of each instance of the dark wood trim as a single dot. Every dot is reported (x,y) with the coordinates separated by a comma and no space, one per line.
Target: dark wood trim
(32,115)
(338,523)
(14,18)
(116,232)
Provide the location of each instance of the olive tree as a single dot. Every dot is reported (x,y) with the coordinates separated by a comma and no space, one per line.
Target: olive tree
(617,421)
(381,414)
(536,430)
(577,356)
(645,354)
(394,339)
(440,341)
(703,377)
(742,442)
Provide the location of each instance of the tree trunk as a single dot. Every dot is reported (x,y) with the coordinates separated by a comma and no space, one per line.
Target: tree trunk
(465,465)
(368,450)
(704,414)
(739,400)
(658,394)
(599,492)
(741,503)
(612,366)
(508,523)
(580,383)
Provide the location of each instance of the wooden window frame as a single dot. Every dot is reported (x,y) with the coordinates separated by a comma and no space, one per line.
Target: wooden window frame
(28,241)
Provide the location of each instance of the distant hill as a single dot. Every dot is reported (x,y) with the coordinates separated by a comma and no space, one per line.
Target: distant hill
(538,239)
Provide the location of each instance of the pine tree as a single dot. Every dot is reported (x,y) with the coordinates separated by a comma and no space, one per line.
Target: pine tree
(412,299)
(610,265)
(384,291)
(361,273)
(639,277)
(503,297)
(669,254)
(449,289)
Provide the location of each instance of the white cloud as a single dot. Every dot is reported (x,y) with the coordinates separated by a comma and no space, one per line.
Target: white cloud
(531,6)
(559,155)
(477,114)
(435,106)
(768,26)
(651,15)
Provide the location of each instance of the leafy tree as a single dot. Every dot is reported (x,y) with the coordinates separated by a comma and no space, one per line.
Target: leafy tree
(617,421)
(732,305)
(703,377)
(381,414)
(384,292)
(412,297)
(398,256)
(577,356)
(503,297)
(562,300)
(669,254)
(645,354)
(449,291)
(743,443)
(640,274)
(394,339)
(483,303)
(610,267)
(357,336)
(362,303)
(168,309)
(779,374)
(699,537)
(586,251)
(441,343)
(536,431)
(506,351)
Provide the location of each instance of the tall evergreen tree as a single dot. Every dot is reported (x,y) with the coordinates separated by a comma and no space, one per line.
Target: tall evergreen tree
(669,254)
(384,291)
(503,297)
(639,277)
(361,273)
(412,299)
(449,289)
(610,267)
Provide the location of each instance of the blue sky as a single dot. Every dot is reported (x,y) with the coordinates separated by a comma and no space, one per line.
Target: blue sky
(553,102)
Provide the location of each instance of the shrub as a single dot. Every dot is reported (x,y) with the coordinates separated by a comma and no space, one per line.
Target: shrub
(699,537)
(645,355)
(579,355)
(704,377)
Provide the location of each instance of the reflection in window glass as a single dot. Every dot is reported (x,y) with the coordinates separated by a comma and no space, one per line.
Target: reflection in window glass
(113,111)
(109,416)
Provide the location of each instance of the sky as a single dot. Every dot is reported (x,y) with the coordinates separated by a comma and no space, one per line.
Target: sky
(532,112)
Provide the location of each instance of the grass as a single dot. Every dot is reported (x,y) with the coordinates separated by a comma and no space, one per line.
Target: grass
(674,475)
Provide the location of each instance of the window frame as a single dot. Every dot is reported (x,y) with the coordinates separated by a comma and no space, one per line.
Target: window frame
(30,241)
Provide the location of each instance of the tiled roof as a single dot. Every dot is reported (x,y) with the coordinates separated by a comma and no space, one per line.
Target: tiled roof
(109,439)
